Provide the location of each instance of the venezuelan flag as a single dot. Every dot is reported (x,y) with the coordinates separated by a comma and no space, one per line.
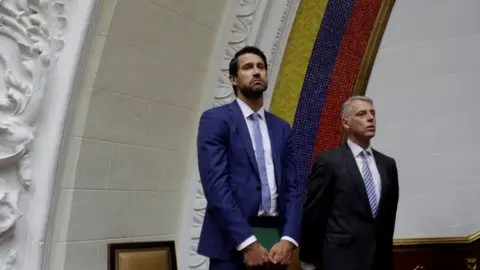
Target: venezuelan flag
(328,58)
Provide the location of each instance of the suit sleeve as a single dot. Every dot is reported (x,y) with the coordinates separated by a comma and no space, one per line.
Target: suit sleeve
(212,141)
(392,213)
(315,211)
(293,213)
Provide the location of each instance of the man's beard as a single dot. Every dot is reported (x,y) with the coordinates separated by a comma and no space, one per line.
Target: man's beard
(253,93)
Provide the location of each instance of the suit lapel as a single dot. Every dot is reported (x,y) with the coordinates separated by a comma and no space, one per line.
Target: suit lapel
(242,130)
(352,168)
(273,133)
(382,170)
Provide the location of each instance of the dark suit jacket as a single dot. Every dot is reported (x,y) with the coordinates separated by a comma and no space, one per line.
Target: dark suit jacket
(231,181)
(339,231)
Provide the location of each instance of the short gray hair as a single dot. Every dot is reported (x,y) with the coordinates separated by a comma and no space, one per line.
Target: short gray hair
(346,105)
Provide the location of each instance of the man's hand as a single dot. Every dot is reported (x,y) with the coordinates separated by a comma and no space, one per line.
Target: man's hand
(255,255)
(281,253)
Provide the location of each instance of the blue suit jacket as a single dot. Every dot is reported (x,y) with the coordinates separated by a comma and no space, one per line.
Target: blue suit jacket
(231,182)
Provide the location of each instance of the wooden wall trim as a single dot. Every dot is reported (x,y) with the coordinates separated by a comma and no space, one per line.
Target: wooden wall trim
(437,240)
(438,254)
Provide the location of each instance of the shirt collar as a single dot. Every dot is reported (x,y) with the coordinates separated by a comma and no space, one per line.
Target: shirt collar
(247,111)
(356,149)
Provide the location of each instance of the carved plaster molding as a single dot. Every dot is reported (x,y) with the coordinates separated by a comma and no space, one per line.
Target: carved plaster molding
(30,38)
(265,24)
(242,26)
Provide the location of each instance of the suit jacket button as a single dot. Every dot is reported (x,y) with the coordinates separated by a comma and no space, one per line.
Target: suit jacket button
(258,187)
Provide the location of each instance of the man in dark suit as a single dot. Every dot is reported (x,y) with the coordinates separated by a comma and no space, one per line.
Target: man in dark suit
(349,214)
(245,159)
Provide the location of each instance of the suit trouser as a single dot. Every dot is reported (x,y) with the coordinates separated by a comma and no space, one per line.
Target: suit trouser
(237,265)
(226,265)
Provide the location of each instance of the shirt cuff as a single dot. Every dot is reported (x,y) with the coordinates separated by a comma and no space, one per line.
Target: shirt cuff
(246,243)
(307,266)
(288,238)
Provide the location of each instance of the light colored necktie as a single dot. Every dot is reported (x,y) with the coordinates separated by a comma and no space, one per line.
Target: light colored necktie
(369,184)
(262,169)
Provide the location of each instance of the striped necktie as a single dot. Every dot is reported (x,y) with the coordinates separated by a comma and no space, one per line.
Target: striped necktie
(369,184)
(262,168)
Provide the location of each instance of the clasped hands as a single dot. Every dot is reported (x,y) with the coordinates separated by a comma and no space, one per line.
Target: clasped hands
(256,255)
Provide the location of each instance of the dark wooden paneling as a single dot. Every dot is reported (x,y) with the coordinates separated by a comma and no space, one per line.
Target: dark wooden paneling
(429,257)
(437,256)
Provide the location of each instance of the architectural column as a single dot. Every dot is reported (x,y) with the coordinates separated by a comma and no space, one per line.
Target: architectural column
(262,23)
(41,42)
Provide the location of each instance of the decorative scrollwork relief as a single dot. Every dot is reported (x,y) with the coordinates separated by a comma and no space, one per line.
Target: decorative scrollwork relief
(10,259)
(280,30)
(30,37)
(471,263)
(240,30)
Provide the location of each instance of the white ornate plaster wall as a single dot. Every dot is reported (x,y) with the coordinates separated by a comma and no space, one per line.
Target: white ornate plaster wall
(34,99)
(265,24)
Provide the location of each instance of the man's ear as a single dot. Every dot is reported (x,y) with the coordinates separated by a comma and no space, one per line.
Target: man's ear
(345,123)
(234,80)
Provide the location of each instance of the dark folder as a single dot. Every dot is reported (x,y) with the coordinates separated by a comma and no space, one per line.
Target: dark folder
(267,237)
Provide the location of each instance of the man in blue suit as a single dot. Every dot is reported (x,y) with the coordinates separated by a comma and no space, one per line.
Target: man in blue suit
(247,170)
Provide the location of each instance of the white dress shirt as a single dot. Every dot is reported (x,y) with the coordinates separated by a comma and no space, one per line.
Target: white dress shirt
(356,150)
(247,112)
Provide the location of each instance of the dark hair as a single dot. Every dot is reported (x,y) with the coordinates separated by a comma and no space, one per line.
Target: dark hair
(233,66)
